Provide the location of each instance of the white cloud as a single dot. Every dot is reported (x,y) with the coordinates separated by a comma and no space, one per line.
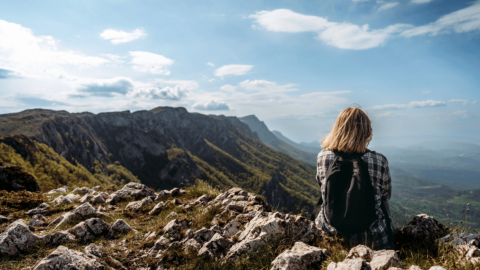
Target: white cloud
(413,104)
(211,80)
(285,20)
(474,102)
(167,92)
(388,6)
(105,87)
(114,58)
(426,91)
(38,56)
(463,101)
(150,62)
(211,64)
(460,21)
(211,105)
(266,86)
(117,36)
(420,1)
(233,70)
(341,35)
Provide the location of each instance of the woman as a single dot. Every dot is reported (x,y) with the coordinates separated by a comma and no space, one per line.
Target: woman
(351,133)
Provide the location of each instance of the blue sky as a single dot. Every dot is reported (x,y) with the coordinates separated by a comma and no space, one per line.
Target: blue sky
(412,65)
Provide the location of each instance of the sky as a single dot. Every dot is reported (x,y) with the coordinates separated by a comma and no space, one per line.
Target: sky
(413,66)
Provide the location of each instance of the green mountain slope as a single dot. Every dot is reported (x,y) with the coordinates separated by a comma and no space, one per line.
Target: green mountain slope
(309,149)
(273,141)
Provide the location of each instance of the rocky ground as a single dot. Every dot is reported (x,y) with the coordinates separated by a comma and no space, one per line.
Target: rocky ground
(200,228)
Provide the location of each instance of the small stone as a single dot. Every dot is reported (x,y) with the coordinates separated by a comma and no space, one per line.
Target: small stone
(171,215)
(72,197)
(82,190)
(216,247)
(4,219)
(119,227)
(36,223)
(437,268)
(86,198)
(414,267)
(62,200)
(94,250)
(63,189)
(42,209)
(157,209)
(98,199)
(135,206)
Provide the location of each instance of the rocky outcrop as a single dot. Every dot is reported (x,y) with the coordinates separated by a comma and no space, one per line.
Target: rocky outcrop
(466,245)
(134,206)
(83,211)
(14,178)
(65,258)
(42,209)
(422,228)
(299,257)
(90,229)
(132,189)
(118,228)
(362,257)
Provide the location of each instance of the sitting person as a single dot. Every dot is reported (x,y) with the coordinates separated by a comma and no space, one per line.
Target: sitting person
(355,184)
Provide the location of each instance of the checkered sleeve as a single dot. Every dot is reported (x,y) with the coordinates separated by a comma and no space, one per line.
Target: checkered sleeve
(387,181)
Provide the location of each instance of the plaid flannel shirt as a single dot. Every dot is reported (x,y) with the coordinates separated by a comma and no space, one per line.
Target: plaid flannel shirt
(376,235)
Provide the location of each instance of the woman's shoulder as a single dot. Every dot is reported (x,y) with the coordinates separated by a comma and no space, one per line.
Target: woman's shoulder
(325,154)
(376,155)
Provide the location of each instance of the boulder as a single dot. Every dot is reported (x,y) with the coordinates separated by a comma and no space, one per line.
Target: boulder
(17,238)
(171,215)
(119,227)
(81,212)
(72,197)
(63,189)
(62,200)
(36,223)
(374,260)
(203,235)
(422,228)
(134,206)
(299,257)
(42,209)
(64,258)
(133,189)
(93,250)
(82,190)
(174,227)
(349,264)
(90,229)
(192,244)
(98,199)
(231,228)
(58,238)
(267,226)
(157,209)
(86,198)
(215,248)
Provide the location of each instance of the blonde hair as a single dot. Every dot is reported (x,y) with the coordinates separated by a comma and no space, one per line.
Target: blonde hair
(351,133)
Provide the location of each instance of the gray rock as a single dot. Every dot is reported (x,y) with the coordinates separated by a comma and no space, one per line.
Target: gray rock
(349,264)
(119,227)
(82,190)
(81,212)
(98,199)
(192,244)
(93,250)
(90,229)
(63,189)
(437,268)
(72,197)
(96,188)
(42,209)
(16,238)
(216,247)
(36,223)
(86,198)
(414,267)
(422,228)
(231,228)
(62,200)
(300,257)
(162,194)
(68,259)
(134,206)
(160,245)
(171,215)
(174,227)
(58,238)
(157,209)
(101,209)
(380,259)
(203,235)
(133,189)
(266,225)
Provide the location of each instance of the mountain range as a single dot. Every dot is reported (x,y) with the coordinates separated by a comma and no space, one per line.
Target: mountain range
(162,148)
